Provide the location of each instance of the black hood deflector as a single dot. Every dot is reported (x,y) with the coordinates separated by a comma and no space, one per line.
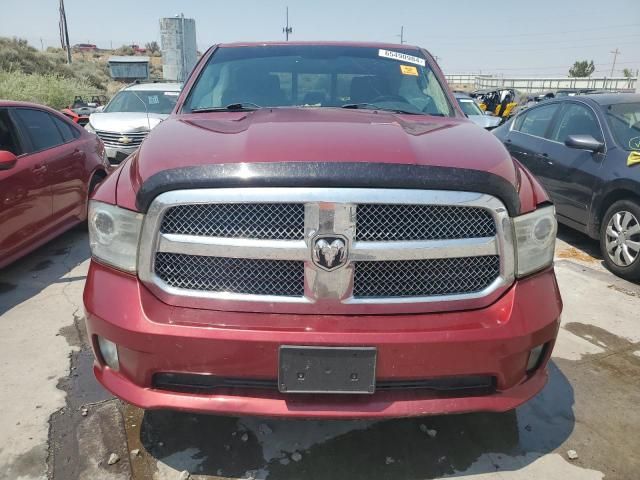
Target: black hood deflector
(329,175)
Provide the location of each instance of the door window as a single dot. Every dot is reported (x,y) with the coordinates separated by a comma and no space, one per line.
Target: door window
(40,128)
(8,138)
(576,120)
(536,121)
(68,132)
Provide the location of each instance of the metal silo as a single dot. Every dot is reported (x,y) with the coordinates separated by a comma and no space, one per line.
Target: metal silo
(179,50)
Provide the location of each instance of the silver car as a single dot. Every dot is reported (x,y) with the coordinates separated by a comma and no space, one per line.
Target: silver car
(130,115)
(471,109)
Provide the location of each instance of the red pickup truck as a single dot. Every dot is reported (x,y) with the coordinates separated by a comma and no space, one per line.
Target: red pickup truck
(318,231)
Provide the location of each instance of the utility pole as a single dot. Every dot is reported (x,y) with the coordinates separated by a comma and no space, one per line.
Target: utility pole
(287,29)
(41,44)
(183,68)
(64,32)
(615,52)
(401,35)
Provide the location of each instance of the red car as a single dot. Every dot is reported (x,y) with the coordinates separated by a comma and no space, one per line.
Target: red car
(48,166)
(318,231)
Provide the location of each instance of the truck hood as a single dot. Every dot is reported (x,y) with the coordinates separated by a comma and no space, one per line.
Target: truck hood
(318,135)
(125,122)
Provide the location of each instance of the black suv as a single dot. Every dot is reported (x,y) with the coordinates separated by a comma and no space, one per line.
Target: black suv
(585,150)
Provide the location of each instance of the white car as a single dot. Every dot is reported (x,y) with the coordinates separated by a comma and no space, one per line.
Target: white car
(471,109)
(130,115)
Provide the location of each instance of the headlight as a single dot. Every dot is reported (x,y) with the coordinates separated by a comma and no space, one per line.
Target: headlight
(89,128)
(114,234)
(535,235)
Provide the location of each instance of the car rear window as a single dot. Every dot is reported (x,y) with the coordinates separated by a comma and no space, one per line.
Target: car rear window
(68,132)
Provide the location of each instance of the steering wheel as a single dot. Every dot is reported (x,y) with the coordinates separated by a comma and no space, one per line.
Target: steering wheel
(389,98)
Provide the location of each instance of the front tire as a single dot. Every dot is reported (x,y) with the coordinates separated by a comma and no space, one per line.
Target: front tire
(620,239)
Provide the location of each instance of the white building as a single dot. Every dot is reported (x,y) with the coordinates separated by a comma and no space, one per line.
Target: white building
(179,49)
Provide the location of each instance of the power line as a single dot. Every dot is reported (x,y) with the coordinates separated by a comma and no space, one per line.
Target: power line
(538,34)
(554,67)
(573,47)
(555,42)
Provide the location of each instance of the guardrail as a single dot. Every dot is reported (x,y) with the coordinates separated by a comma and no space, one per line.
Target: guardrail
(537,84)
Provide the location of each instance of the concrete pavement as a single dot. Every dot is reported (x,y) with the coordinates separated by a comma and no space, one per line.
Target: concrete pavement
(589,405)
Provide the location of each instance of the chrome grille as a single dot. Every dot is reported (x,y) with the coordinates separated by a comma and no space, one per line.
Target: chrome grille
(267,249)
(420,278)
(113,139)
(377,222)
(276,221)
(234,275)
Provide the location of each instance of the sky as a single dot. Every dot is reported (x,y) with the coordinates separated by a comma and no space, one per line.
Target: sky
(510,38)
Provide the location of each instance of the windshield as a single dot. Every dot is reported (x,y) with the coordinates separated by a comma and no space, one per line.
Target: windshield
(469,107)
(156,101)
(319,76)
(624,121)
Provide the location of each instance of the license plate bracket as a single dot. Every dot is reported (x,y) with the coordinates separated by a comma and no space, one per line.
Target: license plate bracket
(335,370)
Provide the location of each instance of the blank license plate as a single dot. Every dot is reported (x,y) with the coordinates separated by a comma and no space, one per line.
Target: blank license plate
(327,369)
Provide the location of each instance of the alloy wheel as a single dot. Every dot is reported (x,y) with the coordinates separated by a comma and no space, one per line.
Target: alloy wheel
(623,238)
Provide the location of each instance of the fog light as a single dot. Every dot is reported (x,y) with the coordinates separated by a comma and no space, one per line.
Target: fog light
(109,353)
(535,356)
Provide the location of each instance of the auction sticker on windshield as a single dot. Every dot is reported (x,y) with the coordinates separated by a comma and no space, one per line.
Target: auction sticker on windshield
(409,70)
(403,57)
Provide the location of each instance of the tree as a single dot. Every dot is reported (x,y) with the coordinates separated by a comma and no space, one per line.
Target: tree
(582,68)
(152,47)
(627,73)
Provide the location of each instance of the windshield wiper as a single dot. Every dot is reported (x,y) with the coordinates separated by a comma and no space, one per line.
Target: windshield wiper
(372,106)
(232,107)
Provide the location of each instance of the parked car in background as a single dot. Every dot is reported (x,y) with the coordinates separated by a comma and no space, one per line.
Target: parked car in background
(317,231)
(130,115)
(474,112)
(572,92)
(585,150)
(79,111)
(48,167)
(85,47)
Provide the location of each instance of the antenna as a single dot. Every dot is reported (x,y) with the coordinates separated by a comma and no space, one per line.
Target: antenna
(287,29)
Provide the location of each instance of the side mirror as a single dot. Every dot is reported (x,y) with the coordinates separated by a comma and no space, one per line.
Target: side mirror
(584,142)
(7,160)
(100,108)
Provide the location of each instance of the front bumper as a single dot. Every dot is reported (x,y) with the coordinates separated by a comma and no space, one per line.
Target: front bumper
(117,154)
(153,337)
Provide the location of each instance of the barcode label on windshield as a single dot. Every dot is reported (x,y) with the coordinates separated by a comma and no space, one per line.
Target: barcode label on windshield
(402,57)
